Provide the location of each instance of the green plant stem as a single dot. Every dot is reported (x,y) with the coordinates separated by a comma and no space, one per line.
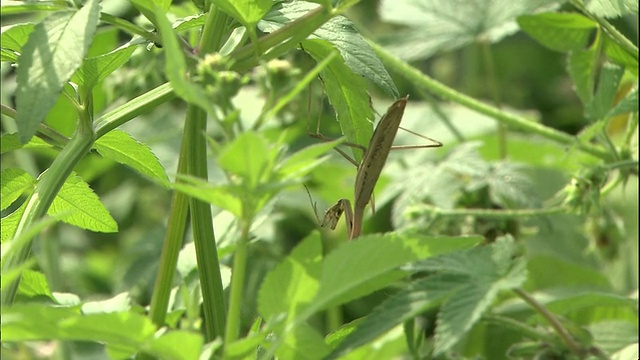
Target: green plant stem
(513,121)
(520,327)
(495,94)
(203,235)
(237,284)
(557,326)
(486,213)
(134,107)
(287,37)
(171,248)
(46,190)
(217,22)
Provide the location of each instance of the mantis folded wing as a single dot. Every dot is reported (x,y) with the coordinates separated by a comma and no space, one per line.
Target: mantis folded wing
(369,170)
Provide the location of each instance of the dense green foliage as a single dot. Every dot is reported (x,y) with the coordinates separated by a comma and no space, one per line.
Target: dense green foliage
(161,190)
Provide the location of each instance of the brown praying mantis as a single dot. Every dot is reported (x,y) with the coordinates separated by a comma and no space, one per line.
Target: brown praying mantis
(374,158)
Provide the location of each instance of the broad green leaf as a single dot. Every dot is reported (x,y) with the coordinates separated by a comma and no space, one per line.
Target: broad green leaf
(96,69)
(32,321)
(15,182)
(600,105)
(629,104)
(14,37)
(612,336)
(301,269)
(303,342)
(609,8)
(348,96)
(442,25)
(417,298)
(620,56)
(176,68)
(34,283)
(86,210)
(341,33)
(559,31)
(52,54)
(176,345)
(549,272)
(247,12)
(581,65)
(119,146)
(249,157)
(372,262)
(12,142)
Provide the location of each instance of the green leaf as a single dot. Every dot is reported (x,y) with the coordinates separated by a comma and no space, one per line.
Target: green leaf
(15,182)
(176,345)
(620,56)
(559,31)
(418,297)
(347,94)
(119,146)
(247,12)
(34,283)
(14,37)
(148,8)
(581,65)
(443,25)
(549,271)
(302,269)
(249,157)
(176,67)
(32,321)
(86,210)
(341,33)
(303,342)
(225,197)
(12,142)
(52,54)
(96,69)
(609,8)
(305,160)
(629,104)
(600,105)
(9,223)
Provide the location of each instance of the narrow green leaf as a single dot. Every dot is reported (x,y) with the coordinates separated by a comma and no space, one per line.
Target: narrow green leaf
(119,146)
(15,182)
(348,96)
(342,34)
(600,105)
(247,12)
(176,68)
(96,69)
(52,54)
(86,210)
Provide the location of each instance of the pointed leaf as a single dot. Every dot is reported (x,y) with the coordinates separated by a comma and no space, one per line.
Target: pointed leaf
(559,31)
(608,82)
(581,65)
(15,182)
(86,210)
(52,54)
(119,146)
(96,69)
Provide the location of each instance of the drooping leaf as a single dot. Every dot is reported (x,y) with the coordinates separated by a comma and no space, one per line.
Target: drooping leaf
(581,65)
(96,69)
(119,146)
(600,105)
(442,25)
(86,210)
(52,54)
(15,182)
